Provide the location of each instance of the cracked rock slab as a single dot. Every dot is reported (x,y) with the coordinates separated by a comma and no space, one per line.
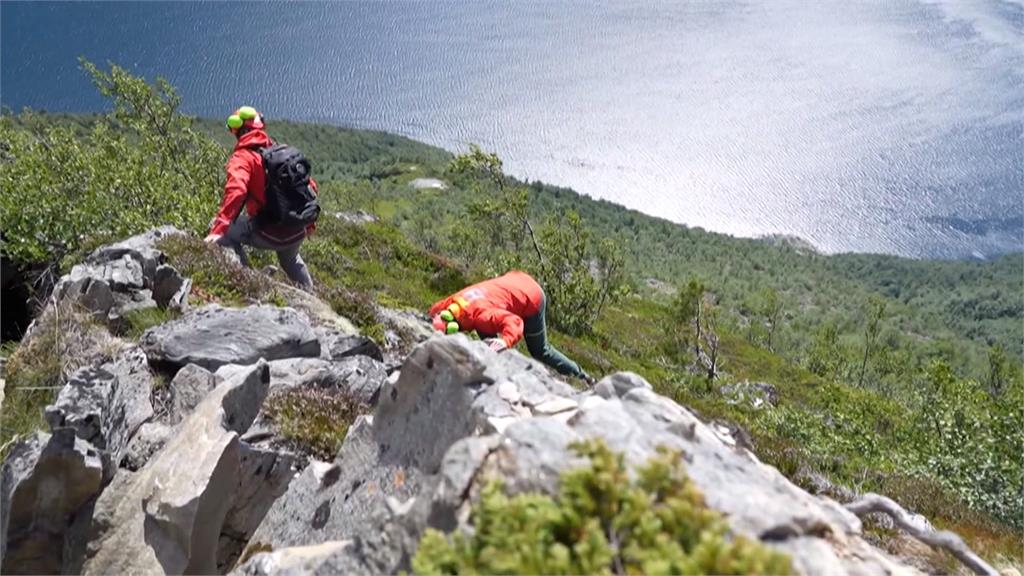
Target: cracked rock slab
(168,516)
(45,480)
(213,336)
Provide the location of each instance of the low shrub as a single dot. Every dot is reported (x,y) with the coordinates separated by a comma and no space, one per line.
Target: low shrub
(602,522)
(315,418)
(216,274)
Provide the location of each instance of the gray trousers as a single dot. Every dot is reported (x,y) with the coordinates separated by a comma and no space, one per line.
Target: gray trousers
(242,233)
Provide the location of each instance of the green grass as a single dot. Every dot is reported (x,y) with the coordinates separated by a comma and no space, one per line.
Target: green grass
(138,321)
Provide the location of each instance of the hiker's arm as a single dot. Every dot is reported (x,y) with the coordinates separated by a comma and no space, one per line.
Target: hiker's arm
(498,321)
(239,170)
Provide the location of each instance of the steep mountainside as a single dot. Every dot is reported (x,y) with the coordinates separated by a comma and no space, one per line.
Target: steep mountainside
(197,448)
(846,373)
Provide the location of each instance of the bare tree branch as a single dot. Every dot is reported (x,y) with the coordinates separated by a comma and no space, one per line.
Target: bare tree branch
(944,539)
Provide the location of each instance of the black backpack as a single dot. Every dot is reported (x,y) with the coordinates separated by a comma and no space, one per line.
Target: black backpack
(290,201)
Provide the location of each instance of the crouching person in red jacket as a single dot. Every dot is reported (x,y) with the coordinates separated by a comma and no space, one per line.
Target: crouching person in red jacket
(504,310)
(241,219)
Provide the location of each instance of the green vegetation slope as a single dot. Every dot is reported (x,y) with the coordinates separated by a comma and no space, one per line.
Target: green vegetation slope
(881,373)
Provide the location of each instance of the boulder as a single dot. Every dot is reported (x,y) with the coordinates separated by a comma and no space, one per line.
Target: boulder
(168,516)
(150,438)
(213,336)
(45,480)
(359,377)
(140,248)
(442,395)
(263,476)
(124,304)
(618,384)
(457,415)
(89,293)
(357,217)
(343,346)
(106,405)
(757,394)
(121,274)
(170,289)
(188,388)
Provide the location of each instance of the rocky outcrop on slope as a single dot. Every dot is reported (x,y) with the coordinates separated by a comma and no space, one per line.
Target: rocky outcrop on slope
(129,275)
(46,479)
(160,459)
(458,414)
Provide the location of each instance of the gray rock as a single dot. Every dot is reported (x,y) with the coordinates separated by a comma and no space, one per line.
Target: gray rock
(140,248)
(167,518)
(357,217)
(458,414)
(756,394)
(213,336)
(263,476)
(410,327)
(45,480)
(345,346)
(188,388)
(106,405)
(323,559)
(618,384)
(124,304)
(389,459)
(358,377)
(121,274)
(170,289)
(428,184)
(90,293)
(150,438)
(361,377)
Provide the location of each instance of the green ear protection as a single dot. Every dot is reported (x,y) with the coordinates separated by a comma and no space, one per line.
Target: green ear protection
(452,326)
(244,113)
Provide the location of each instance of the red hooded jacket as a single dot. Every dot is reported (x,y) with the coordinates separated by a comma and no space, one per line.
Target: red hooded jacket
(245,185)
(496,306)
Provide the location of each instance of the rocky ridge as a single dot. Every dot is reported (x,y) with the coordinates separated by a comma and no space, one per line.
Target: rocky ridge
(192,476)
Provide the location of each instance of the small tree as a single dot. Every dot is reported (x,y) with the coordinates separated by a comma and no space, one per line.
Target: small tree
(998,370)
(580,275)
(874,313)
(771,309)
(825,356)
(695,314)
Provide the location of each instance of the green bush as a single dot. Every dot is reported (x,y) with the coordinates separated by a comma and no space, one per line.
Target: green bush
(602,522)
(141,166)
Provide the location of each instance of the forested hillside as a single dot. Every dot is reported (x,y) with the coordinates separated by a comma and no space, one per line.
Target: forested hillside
(866,371)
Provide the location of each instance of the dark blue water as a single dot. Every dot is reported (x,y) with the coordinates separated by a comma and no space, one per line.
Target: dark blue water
(887,127)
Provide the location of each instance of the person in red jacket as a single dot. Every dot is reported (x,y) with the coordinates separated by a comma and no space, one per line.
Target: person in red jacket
(503,311)
(235,227)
